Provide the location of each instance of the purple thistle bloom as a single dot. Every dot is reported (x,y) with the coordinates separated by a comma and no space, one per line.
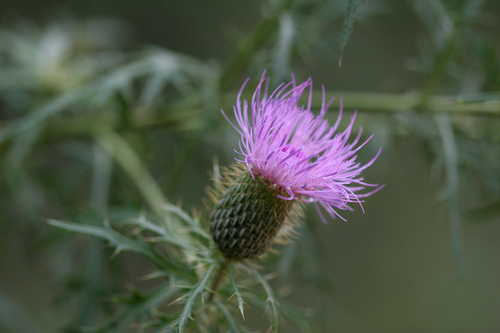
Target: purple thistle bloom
(298,152)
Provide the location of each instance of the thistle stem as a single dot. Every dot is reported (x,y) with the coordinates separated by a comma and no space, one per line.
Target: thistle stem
(219,277)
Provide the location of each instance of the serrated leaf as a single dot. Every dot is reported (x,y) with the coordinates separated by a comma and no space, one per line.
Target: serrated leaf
(122,243)
(192,296)
(115,238)
(164,235)
(192,222)
(153,300)
(237,293)
(229,317)
(271,300)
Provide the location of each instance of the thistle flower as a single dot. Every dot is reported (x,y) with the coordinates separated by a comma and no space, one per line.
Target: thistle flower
(288,156)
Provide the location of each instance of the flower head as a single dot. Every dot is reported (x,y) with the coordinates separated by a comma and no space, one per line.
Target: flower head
(287,144)
(288,155)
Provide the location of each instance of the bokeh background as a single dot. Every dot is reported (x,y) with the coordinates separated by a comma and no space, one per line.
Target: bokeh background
(424,76)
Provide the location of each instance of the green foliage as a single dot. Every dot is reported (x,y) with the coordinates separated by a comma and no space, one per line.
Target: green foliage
(181,251)
(191,298)
(347,29)
(95,131)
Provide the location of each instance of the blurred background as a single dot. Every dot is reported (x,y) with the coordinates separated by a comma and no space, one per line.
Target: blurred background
(424,76)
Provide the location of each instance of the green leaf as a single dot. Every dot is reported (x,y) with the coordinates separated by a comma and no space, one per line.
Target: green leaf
(192,222)
(164,235)
(192,296)
(229,317)
(119,241)
(298,316)
(152,301)
(271,300)
(123,243)
(450,155)
(120,150)
(347,28)
(237,293)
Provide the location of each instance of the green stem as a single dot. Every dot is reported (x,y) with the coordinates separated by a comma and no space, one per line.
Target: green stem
(219,277)
(84,126)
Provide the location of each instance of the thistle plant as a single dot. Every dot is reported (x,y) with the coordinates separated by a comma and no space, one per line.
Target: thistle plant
(289,156)
(107,137)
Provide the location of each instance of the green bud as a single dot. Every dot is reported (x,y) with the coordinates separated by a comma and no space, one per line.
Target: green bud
(246,220)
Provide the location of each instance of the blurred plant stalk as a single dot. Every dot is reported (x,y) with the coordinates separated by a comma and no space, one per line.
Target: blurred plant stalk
(184,117)
(481,105)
